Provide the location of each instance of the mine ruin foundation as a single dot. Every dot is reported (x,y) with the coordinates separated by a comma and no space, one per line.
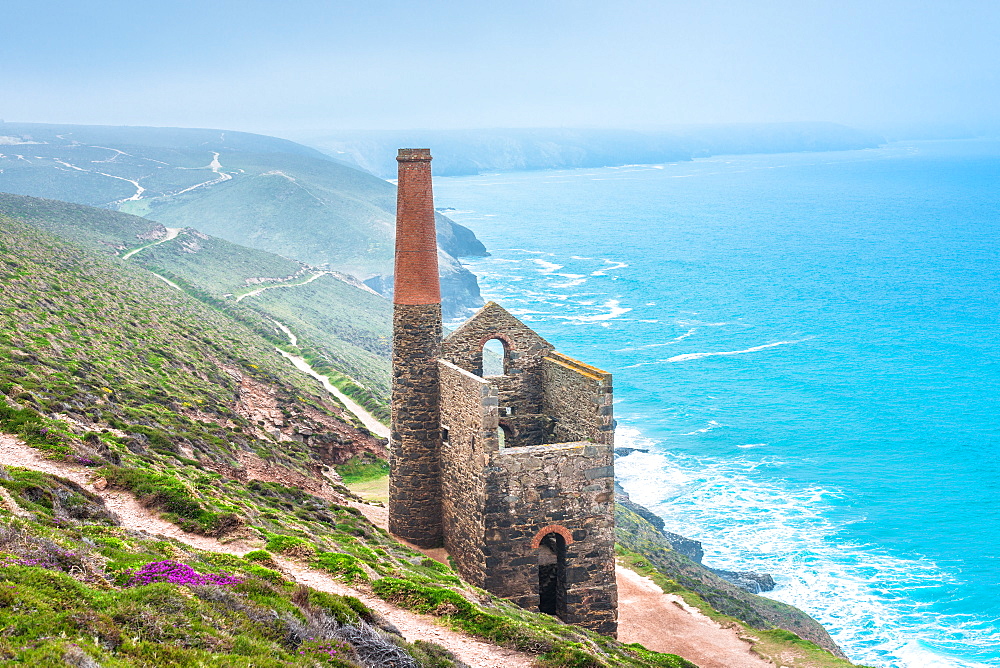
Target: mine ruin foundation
(512,472)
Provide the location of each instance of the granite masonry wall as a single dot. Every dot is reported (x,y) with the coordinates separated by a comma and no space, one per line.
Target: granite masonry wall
(520,388)
(499,503)
(566,488)
(415,476)
(578,397)
(469,418)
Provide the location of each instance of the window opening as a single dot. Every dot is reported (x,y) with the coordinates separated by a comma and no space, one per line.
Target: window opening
(494,358)
(504,434)
(552,575)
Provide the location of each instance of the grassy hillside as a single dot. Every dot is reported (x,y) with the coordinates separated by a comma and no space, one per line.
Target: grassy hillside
(132,365)
(97,229)
(256,191)
(343,327)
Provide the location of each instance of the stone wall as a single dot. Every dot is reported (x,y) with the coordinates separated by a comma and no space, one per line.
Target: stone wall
(579,397)
(520,386)
(566,488)
(469,416)
(415,478)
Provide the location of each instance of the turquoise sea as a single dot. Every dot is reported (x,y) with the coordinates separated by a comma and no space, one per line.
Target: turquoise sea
(809,347)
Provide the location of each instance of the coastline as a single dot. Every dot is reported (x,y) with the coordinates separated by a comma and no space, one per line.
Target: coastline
(766,490)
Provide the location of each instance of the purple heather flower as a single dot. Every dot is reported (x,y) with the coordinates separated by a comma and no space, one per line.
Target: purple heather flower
(177,573)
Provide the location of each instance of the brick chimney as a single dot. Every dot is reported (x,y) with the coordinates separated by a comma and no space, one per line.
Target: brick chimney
(416,274)
(415,512)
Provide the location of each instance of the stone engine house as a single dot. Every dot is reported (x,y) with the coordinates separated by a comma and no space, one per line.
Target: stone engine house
(512,473)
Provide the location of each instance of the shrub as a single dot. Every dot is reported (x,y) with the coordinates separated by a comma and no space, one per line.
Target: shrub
(292,546)
(340,563)
(261,557)
(265,574)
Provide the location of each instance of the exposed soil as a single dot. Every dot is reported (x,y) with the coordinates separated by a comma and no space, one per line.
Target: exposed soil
(665,623)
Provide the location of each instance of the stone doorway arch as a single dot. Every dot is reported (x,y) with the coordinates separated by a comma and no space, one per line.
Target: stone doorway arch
(551,544)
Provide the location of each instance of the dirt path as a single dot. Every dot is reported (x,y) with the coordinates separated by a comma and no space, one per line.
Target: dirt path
(665,623)
(216,167)
(474,652)
(367,419)
(290,284)
(171,234)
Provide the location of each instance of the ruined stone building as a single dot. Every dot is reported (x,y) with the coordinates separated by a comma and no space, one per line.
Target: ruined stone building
(512,473)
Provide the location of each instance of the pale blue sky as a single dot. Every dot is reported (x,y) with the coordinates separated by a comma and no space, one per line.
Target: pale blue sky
(286,66)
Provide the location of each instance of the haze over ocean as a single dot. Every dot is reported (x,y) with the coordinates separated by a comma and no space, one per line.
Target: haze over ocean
(808,345)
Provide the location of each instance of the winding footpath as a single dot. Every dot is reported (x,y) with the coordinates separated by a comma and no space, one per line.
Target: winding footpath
(171,234)
(366,418)
(281,285)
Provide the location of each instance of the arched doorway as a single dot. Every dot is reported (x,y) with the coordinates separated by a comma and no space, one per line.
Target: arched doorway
(552,575)
(504,435)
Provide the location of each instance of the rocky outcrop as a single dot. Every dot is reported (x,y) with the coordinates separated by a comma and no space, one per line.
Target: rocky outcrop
(689,547)
(750,581)
(272,416)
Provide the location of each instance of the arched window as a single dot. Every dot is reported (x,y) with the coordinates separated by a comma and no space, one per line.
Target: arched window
(494,358)
(552,575)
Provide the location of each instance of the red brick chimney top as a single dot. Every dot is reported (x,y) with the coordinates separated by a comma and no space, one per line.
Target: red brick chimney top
(416,273)
(409,154)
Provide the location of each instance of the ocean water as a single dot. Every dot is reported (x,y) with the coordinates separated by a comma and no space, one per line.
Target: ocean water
(809,347)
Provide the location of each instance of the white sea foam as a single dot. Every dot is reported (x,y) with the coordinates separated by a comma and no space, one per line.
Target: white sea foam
(696,356)
(614,264)
(547,267)
(747,446)
(575,280)
(861,594)
(712,424)
(657,345)
(615,310)
(699,323)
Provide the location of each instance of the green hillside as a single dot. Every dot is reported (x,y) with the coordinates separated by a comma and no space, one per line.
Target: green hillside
(110,346)
(342,327)
(256,191)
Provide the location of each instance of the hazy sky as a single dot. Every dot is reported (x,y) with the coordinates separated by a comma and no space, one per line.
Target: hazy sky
(288,65)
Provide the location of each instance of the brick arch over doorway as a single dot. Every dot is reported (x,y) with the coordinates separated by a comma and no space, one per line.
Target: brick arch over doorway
(552,528)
